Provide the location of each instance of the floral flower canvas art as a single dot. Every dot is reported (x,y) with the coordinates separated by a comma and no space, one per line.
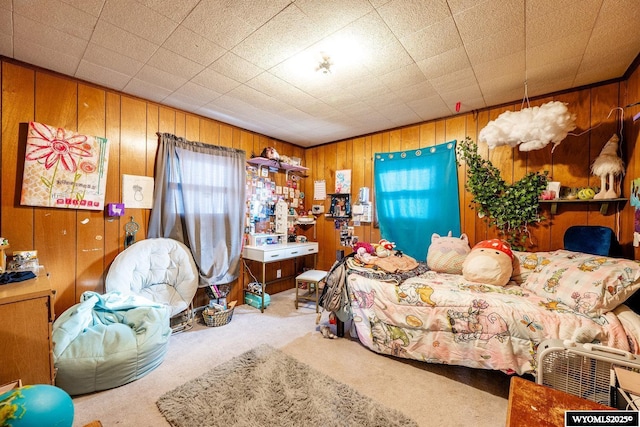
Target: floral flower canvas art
(64,169)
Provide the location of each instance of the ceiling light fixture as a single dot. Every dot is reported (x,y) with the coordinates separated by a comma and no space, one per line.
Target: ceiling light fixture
(325,64)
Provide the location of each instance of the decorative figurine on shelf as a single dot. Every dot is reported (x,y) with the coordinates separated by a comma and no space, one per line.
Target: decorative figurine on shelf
(608,165)
(4,244)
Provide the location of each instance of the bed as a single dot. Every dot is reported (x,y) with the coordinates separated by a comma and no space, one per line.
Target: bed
(443,318)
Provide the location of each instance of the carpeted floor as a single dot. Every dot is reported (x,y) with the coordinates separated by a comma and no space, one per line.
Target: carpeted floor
(432,395)
(266,387)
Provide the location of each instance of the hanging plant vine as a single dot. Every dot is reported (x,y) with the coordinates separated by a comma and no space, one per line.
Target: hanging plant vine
(509,208)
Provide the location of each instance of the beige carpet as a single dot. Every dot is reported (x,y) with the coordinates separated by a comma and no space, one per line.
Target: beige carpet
(432,395)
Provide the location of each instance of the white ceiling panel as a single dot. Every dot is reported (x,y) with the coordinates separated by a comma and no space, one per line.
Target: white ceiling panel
(256,63)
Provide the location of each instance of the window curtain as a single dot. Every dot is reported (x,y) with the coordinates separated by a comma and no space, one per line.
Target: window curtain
(199,200)
(416,196)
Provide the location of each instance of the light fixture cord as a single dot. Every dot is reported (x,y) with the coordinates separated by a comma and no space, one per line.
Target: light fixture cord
(526,86)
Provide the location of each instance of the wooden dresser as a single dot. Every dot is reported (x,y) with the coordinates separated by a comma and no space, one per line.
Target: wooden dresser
(26,321)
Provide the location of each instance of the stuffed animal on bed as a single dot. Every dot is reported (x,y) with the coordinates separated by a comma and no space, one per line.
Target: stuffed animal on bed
(446,254)
(489,262)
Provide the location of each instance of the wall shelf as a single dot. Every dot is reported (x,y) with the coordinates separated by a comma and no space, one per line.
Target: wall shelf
(270,163)
(604,203)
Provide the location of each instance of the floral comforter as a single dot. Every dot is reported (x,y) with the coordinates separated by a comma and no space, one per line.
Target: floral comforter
(441,318)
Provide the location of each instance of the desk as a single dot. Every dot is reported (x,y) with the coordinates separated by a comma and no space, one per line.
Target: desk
(532,404)
(26,310)
(272,253)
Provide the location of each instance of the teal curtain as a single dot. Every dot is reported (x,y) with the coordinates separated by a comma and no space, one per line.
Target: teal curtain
(417,195)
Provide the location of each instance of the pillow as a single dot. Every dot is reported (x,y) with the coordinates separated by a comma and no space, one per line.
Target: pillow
(526,263)
(446,254)
(489,262)
(587,284)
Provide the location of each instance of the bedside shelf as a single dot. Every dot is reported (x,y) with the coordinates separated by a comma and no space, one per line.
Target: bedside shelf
(604,203)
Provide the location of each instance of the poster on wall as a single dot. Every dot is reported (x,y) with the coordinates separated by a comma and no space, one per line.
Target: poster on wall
(137,192)
(64,169)
(343,181)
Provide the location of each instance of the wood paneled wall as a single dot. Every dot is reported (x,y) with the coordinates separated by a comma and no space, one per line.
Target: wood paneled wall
(77,247)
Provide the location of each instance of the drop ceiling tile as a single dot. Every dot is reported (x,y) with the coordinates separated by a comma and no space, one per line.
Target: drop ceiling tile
(45,57)
(408,16)
(272,85)
(176,10)
(55,14)
(433,40)
(503,42)
(92,7)
(403,77)
(146,90)
(513,64)
(398,114)
(137,19)
(340,98)
(215,20)
(175,64)
(109,59)
(459,78)
(557,50)
(157,77)
(114,38)
(488,17)
(332,15)
(57,41)
(417,91)
(6,22)
(561,22)
(283,36)
(462,94)
(199,94)
(102,75)
(444,63)
(215,81)
(193,46)
(429,108)
(395,56)
(236,68)
(6,45)
(6,4)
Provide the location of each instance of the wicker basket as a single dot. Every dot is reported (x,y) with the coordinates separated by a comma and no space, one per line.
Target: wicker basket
(219,318)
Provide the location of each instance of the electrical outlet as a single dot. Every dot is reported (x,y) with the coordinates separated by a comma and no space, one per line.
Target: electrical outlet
(278,273)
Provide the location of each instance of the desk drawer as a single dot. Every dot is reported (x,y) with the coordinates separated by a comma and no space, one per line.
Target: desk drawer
(303,250)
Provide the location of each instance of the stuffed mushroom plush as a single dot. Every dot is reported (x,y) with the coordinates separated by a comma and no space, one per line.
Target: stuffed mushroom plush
(489,262)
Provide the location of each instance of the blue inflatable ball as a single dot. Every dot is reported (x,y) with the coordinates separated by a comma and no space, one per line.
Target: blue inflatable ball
(37,405)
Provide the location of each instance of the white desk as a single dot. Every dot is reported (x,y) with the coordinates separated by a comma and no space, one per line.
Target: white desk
(272,253)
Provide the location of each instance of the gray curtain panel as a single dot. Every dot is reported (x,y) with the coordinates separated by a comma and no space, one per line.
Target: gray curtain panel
(199,200)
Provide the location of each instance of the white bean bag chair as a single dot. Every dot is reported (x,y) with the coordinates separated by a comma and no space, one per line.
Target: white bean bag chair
(159,269)
(108,340)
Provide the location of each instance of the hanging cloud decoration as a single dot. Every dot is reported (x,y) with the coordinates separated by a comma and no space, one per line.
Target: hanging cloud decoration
(530,128)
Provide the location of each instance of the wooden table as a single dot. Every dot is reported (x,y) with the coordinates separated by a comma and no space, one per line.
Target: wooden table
(532,404)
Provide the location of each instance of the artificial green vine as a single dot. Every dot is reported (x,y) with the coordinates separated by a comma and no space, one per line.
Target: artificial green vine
(510,208)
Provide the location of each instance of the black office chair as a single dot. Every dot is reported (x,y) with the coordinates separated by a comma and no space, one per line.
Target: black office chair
(592,239)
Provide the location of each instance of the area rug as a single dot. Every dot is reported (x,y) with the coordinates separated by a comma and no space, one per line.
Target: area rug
(266,387)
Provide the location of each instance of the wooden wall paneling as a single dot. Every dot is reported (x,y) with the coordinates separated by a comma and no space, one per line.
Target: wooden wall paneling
(55,228)
(395,140)
(153,126)
(455,128)
(605,122)
(167,120)
(133,147)
(571,164)
(501,157)
(440,131)
(113,243)
(210,132)
(226,135)
(246,143)
(192,128)
(358,181)
(376,147)
(468,216)
(181,124)
(330,164)
(410,137)
(90,224)
(367,160)
(537,161)
(481,228)
(427,134)
(18,106)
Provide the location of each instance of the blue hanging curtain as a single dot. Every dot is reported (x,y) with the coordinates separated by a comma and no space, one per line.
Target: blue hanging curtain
(416,196)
